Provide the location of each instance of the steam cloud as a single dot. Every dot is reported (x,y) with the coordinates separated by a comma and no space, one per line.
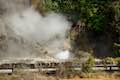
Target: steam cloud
(32,26)
(47,31)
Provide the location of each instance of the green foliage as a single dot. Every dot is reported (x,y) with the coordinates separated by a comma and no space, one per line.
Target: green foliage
(99,16)
(116,7)
(116,51)
(117,60)
(94,12)
(87,66)
(108,60)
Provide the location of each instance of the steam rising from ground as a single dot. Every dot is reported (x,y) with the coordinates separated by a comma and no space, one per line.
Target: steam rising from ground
(48,31)
(32,26)
(63,55)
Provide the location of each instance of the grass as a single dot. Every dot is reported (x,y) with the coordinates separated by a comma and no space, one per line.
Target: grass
(38,76)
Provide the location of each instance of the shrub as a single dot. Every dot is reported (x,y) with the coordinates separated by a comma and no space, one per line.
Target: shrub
(107,61)
(87,66)
(117,60)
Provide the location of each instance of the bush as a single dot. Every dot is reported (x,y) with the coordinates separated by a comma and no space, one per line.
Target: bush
(117,60)
(87,66)
(108,60)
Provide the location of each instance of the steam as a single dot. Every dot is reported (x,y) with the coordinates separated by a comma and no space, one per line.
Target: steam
(32,26)
(63,55)
(48,32)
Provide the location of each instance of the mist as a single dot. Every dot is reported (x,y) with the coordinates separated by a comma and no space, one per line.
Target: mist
(29,34)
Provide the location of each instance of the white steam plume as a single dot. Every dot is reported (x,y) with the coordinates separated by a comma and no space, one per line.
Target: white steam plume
(32,26)
(49,31)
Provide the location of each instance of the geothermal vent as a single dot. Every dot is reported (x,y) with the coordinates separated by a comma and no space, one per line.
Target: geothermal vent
(25,33)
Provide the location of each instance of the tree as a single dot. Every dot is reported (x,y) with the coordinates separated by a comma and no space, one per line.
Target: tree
(101,17)
(94,12)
